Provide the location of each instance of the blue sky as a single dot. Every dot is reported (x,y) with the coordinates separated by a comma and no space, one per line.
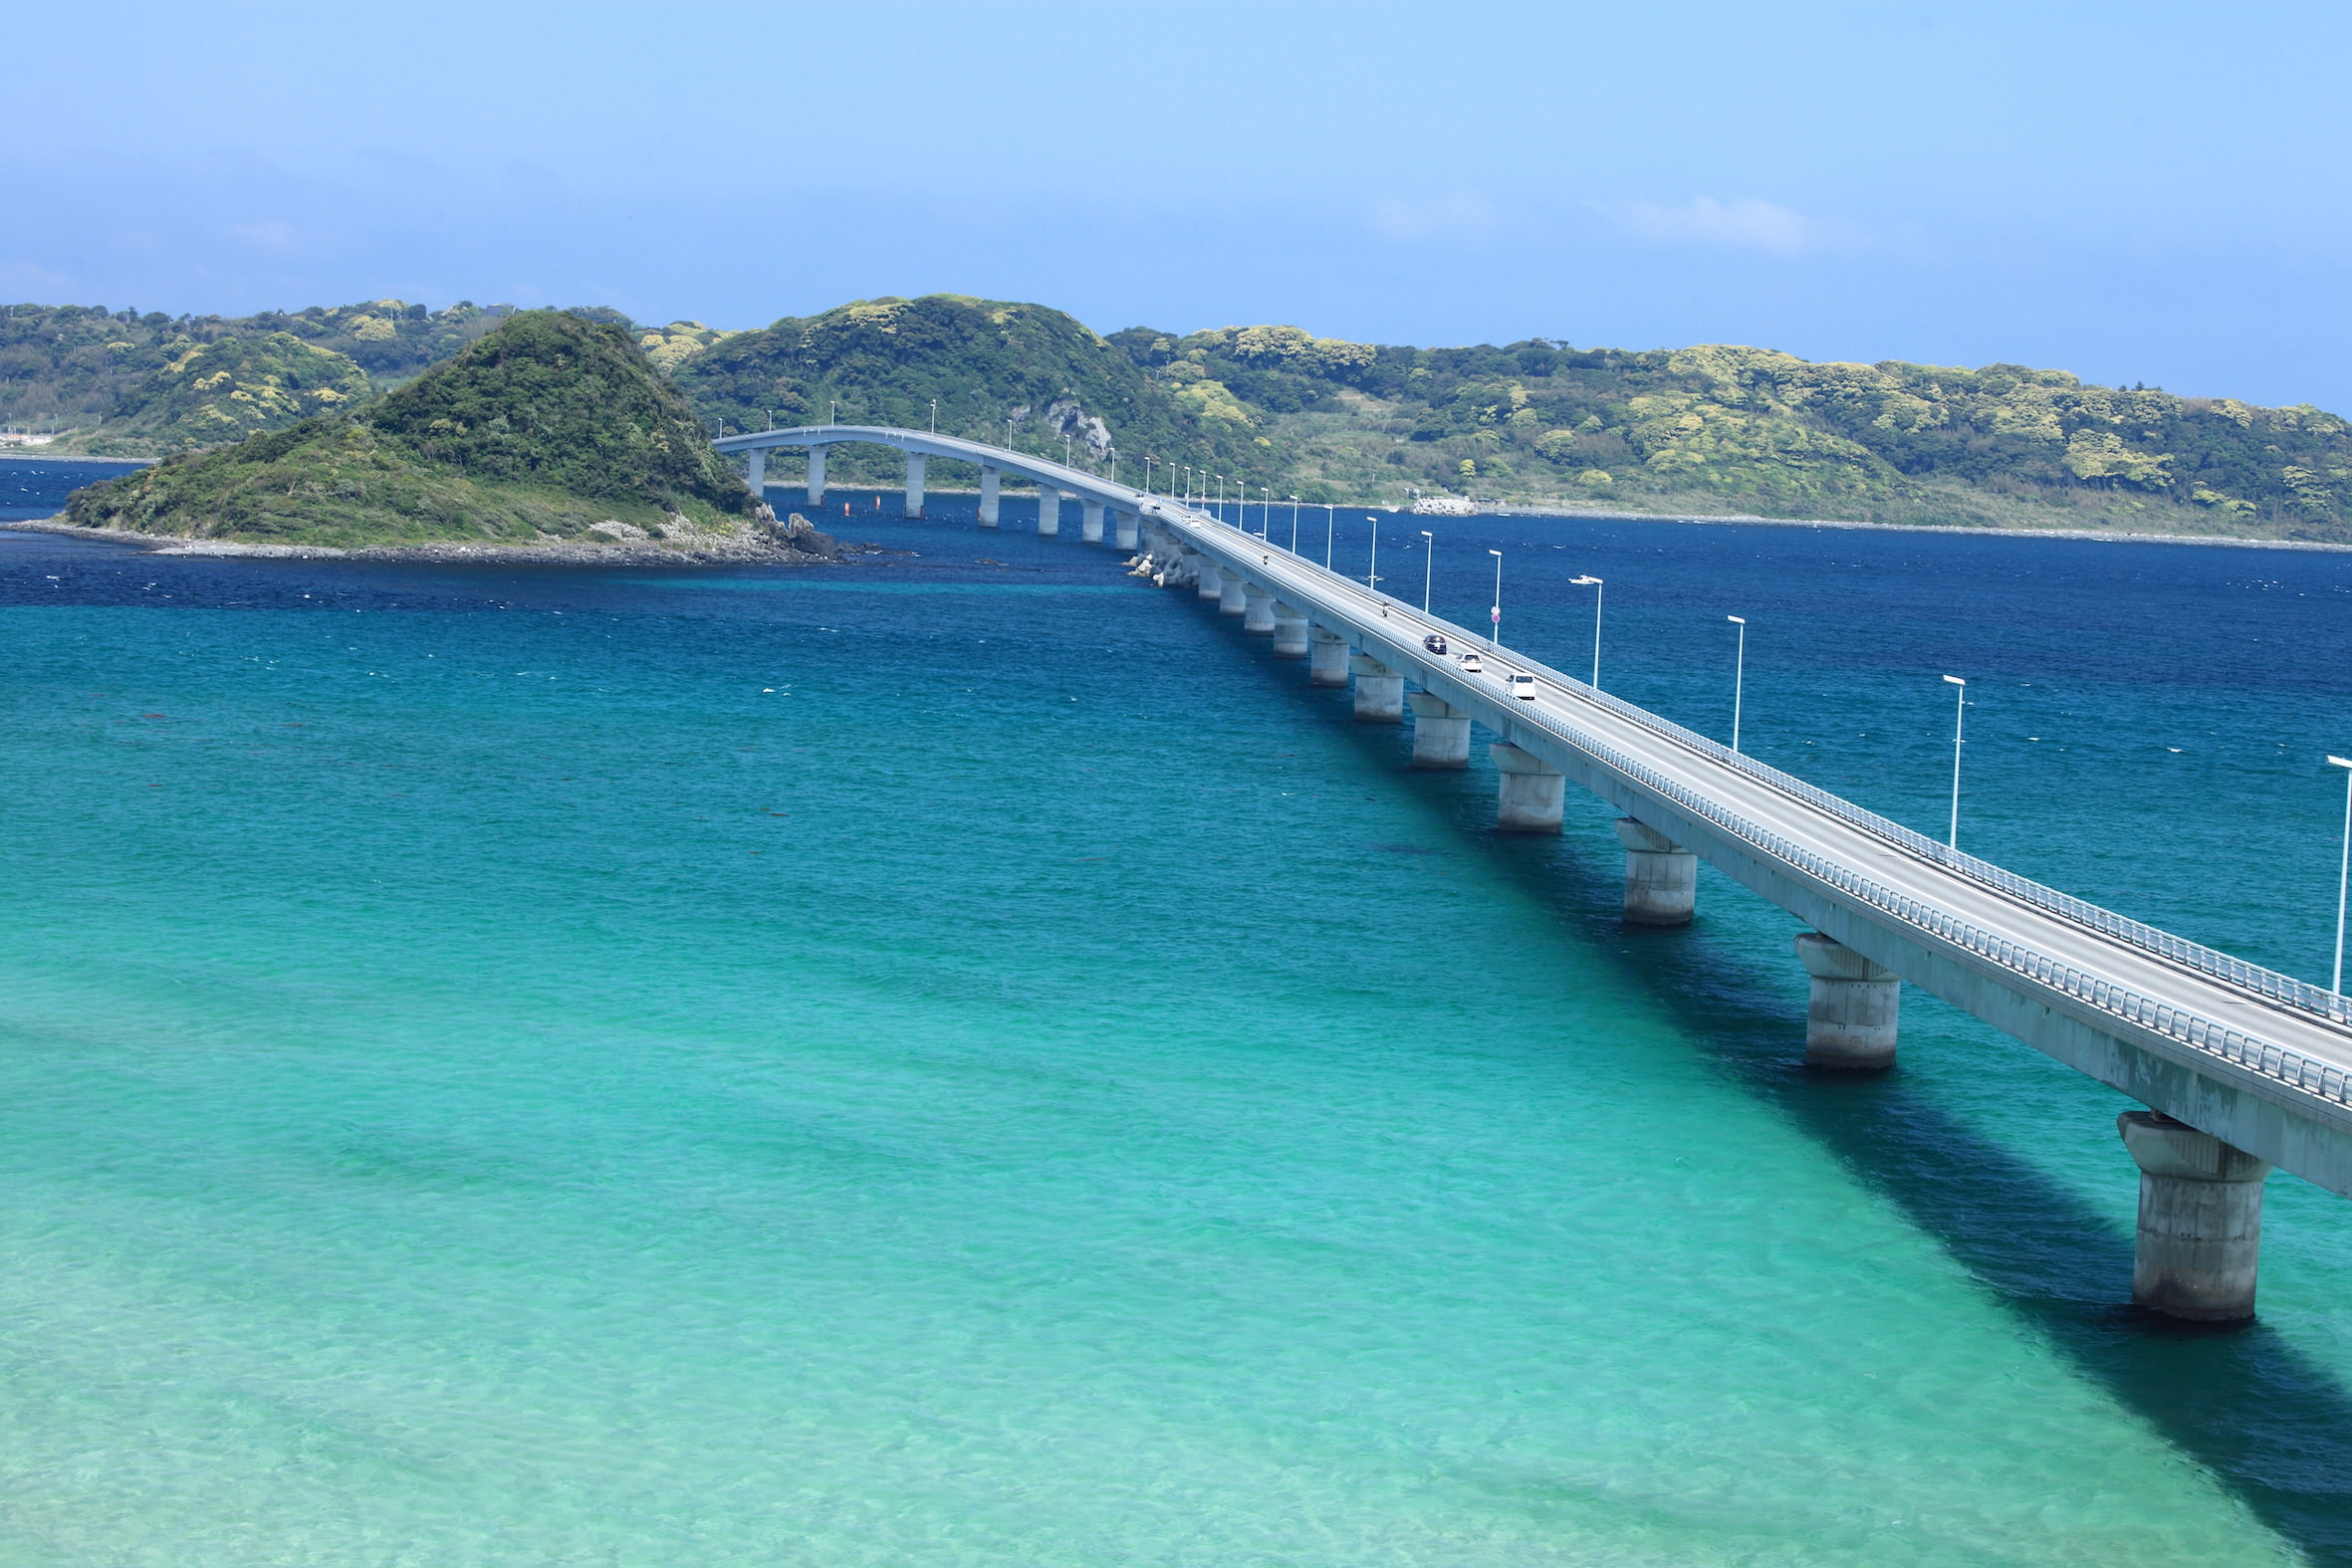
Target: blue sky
(2136,192)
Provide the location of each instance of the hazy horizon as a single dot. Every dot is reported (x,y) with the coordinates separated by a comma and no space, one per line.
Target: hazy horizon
(2141,195)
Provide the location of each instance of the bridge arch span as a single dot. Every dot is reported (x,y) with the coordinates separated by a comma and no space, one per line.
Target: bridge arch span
(1054,480)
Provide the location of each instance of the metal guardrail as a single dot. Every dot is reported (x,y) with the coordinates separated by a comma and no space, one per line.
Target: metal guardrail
(2263,981)
(2273,1061)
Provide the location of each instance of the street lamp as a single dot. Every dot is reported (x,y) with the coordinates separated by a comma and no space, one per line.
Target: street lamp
(1960,710)
(1739,676)
(1147,461)
(935,417)
(1330,527)
(1428,564)
(1597,590)
(2344,877)
(1372,568)
(832,411)
(1494,612)
(1293,524)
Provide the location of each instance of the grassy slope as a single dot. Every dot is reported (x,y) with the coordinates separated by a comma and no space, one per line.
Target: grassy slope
(539,431)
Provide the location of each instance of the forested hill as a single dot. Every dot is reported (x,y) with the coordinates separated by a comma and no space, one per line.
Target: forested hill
(1719,428)
(1710,429)
(549,430)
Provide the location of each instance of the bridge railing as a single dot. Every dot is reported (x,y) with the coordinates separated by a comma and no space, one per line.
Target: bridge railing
(2267,983)
(2190,1028)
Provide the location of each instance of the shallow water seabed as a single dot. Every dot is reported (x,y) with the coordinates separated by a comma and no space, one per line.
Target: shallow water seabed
(550,1066)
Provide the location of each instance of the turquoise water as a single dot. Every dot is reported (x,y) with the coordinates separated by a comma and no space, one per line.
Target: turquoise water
(934,1064)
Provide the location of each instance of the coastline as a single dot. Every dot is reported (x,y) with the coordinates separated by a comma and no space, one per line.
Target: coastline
(629,554)
(2096,536)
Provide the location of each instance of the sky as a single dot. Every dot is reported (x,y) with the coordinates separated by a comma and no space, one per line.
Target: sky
(2136,192)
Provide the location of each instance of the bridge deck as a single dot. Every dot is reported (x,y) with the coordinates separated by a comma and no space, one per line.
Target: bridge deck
(2054,971)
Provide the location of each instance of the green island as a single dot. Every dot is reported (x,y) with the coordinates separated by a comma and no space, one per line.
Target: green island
(1710,430)
(551,431)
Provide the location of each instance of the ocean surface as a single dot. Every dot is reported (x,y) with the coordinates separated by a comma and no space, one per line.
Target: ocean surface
(965,1059)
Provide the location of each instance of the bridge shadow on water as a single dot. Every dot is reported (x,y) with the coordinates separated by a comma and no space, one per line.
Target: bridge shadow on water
(2268,1423)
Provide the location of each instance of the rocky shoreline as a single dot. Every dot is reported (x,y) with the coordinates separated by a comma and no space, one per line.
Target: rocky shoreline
(802,546)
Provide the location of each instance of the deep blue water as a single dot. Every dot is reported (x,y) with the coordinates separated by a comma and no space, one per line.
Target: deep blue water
(931,1062)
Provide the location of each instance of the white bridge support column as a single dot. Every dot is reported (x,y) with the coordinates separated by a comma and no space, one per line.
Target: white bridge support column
(1326,658)
(1091,522)
(1441,732)
(914,486)
(1234,599)
(1661,877)
(756,472)
(817,476)
(1532,791)
(2200,1220)
(1212,580)
(1855,1005)
(1290,633)
(1048,509)
(1123,525)
(1379,691)
(1258,611)
(990,481)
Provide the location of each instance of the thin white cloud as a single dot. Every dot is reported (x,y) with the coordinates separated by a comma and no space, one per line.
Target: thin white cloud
(274,235)
(1744,224)
(1460,217)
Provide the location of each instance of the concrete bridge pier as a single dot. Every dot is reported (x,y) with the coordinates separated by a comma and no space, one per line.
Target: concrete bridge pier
(1851,1015)
(1048,509)
(817,476)
(1235,598)
(2200,1220)
(1441,732)
(990,480)
(1326,656)
(914,485)
(1533,794)
(1124,529)
(756,472)
(1379,691)
(1211,580)
(1290,633)
(1258,612)
(1661,877)
(1091,522)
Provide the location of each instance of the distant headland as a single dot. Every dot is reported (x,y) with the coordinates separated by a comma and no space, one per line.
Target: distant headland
(1711,430)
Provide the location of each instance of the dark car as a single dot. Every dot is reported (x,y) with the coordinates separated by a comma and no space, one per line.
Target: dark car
(1434,643)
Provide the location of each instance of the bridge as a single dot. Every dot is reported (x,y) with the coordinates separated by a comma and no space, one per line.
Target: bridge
(2242,1069)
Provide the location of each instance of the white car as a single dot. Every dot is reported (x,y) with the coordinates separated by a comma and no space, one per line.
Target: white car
(1472,664)
(1523,687)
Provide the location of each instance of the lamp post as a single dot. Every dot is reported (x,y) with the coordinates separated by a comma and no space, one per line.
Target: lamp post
(1598,588)
(1428,565)
(1739,675)
(1147,461)
(2344,877)
(1220,498)
(935,417)
(1960,698)
(1330,528)
(1494,612)
(832,411)
(1372,567)
(1293,524)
